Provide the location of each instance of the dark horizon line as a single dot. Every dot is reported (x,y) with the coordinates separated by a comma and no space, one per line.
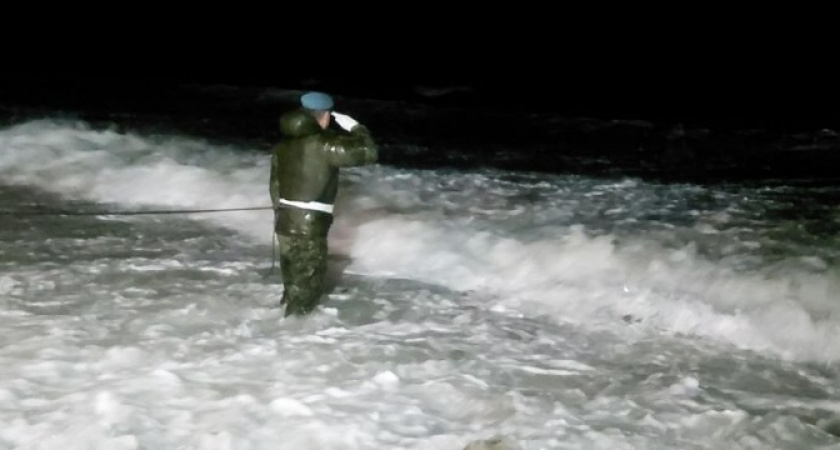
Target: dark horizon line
(753,106)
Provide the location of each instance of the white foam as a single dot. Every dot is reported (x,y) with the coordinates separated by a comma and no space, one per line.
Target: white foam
(386,379)
(7,285)
(581,278)
(470,233)
(132,171)
(288,407)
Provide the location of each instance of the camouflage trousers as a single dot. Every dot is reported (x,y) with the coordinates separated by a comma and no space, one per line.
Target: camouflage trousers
(303,261)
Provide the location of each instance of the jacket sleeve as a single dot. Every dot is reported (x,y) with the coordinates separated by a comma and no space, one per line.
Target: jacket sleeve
(274,181)
(354,149)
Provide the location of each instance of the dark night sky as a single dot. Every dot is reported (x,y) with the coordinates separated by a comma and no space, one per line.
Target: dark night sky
(711,62)
(757,81)
(778,75)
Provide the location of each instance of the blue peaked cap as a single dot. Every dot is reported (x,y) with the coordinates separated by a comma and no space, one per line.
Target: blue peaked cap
(316,101)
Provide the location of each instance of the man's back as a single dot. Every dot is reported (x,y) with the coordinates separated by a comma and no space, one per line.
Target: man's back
(305,168)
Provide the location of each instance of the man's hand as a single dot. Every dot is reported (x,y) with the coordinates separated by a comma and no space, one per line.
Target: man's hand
(345,121)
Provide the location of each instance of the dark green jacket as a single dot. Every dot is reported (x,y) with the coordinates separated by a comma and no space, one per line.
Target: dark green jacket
(304,167)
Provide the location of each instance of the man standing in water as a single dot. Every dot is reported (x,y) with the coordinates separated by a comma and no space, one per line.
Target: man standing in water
(303,186)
